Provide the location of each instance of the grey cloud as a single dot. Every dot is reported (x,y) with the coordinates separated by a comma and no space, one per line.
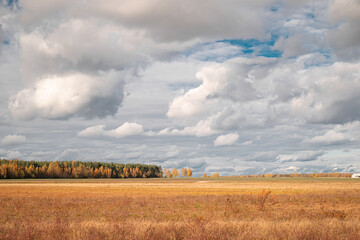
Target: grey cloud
(69,155)
(231,18)
(344,37)
(326,168)
(262,157)
(253,171)
(300,157)
(53,52)
(197,165)
(1,38)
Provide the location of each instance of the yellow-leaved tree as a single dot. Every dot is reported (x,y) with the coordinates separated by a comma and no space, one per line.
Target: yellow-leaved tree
(184,172)
(216,175)
(175,172)
(189,172)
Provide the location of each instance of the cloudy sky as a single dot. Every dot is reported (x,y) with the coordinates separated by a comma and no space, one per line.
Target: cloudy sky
(235,87)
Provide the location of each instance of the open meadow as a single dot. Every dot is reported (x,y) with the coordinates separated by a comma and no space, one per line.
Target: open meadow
(192,208)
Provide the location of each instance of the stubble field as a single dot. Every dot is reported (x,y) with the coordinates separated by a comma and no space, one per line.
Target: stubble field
(224,208)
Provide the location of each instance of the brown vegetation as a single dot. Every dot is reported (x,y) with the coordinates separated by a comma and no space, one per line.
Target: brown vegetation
(10,169)
(182,209)
(297,175)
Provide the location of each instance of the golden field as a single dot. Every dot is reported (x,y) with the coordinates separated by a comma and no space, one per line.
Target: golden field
(221,208)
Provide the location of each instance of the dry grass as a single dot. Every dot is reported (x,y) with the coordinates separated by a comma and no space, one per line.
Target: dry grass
(180,209)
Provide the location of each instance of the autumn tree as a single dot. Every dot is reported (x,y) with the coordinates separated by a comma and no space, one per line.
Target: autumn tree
(126,172)
(108,172)
(54,171)
(216,175)
(42,171)
(81,172)
(184,172)
(3,171)
(75,169)
(175,172)
(30,171)
(204,175)
(189,172)
(166,173)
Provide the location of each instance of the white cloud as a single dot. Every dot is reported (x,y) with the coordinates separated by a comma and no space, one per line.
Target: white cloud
(228,139)
(93,131)
(229,81)
(125,130)
(13,140)
(201,129)
(262,91)
(88,74)
(340,134)
(57,97)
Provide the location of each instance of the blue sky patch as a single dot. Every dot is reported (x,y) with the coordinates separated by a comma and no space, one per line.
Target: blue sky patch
(10,3)
(257,47)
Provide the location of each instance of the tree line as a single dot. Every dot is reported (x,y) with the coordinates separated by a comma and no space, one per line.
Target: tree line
(75,169)
(303,175)
(185,172)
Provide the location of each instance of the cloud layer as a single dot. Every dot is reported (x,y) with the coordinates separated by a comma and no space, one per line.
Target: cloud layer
(235,87)
(125,130)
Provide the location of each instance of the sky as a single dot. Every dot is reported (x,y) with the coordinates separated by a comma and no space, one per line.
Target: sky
(235,87)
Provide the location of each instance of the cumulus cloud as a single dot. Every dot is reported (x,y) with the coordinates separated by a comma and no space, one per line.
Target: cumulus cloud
(13,140)
(332,97)
(112,48)
(128,37)
(93,131)
(264,91)
(226,81)
(228,139)
(125,130)
(88,74)
(340,134)
(59,97)
(201,129)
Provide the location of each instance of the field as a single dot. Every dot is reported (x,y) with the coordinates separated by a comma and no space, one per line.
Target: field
(221,208)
